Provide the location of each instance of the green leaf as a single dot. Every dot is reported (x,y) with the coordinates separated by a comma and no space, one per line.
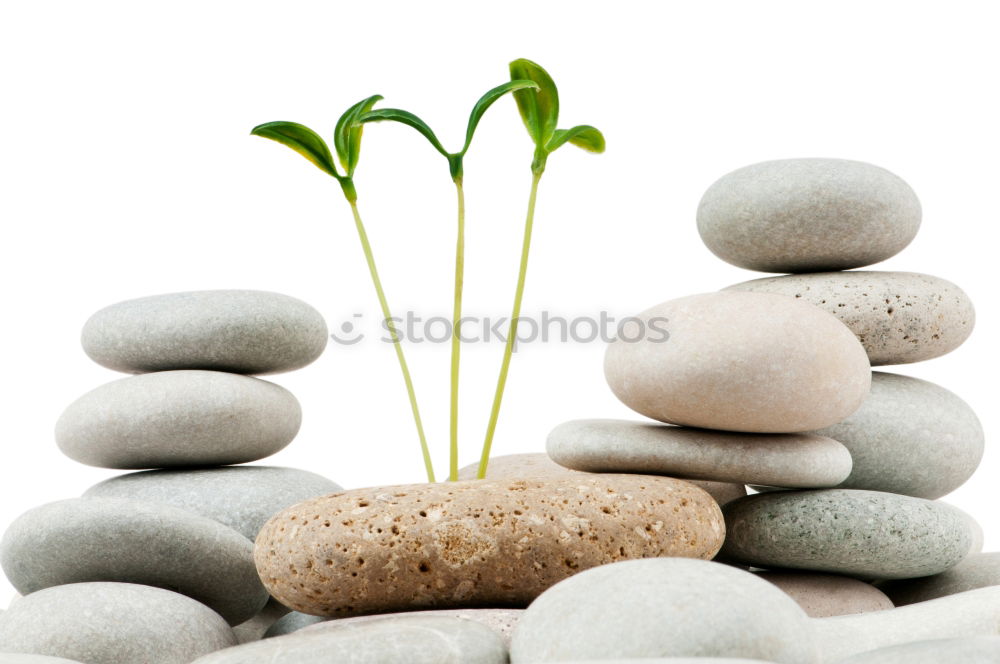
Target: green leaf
(539,108)
(582,136)
(407,118)
(302,139)
(347,134)
(487,100)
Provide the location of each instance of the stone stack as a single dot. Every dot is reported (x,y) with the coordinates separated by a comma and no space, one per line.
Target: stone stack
(187,522)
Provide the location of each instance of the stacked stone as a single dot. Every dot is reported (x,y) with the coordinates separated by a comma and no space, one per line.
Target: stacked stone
(166,555)
(768,383)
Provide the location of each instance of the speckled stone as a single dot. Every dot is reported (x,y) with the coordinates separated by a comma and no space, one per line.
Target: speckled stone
(238,331)
(969,614)
(665,607)
(972,650)
(114,623)
(242,497)
(409,639)
(257,627)
(859,533)
(178,418)
(620,446)
(978,570)
(501,621)
(752,362)
(911,437)
(524,466)
(825,595)
(12,658)
(110,539)
(899,317)
(808,215)
(474,543)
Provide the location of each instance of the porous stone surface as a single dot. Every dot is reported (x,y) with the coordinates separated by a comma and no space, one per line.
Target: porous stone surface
(621,446)
(111,539)
(410,639)
(241,497)
(257,627)
(752,362)
(486,543)
(808,215)
(969,614)
(238,331)
(971,650)
(113,623)
(869,534)
(825,595)
(523,466)
(912,437)
(501,621)
(899,317)
(978,570)
(14,658)
(178,418)
(664,607)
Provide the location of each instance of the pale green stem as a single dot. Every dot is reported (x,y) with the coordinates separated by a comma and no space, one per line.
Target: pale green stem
(512,333)
(456,332)
(391,325)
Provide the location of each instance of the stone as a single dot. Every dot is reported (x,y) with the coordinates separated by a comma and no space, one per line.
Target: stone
(899,317)
(111,539)
(478,543)
(978,570)
(257,627)
(409,639)
(620,446)
(752,362)
(669,660)
(825,595)
(910,437)
(808,215)
(972,650)
(501,621)
(292,622)
(241,497)
(14,658)
(868,534)
(237,331)
(524,466)
(970,614)
(663,607)
(113,623)
(178,419)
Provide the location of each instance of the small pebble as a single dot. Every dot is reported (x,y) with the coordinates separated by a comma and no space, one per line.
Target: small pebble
(824,595)
(978,570)
(971,650)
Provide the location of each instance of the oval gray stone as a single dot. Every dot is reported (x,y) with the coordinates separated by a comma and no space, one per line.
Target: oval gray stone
(114,623)
(292,622)
(899,317)
(410,639)
(620,446)
(237,331)
(972,650)
(257,627)
(663,607)
(869,534)
(825,595)
(911,437)
(241,497)
(111,539)
(179,418)
(808,215)
(978,570)
(501,621)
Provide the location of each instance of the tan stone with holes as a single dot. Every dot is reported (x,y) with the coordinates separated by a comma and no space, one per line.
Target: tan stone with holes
(487,543)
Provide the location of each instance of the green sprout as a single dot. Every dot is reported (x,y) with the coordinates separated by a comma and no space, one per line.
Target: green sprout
(456,169)
(347,144)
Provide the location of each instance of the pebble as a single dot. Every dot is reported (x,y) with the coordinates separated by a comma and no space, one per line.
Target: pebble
(899,317)
(808,215)
(257,627)
(474,543)
(114,623)
(664,607)
(753,362)
(978,570)
(241,497)
(972,650)
(111,539)
(910,437)
(501,621)
(524,466)
(238,331)
(13,658)
(409,639)
(292,622)
(868,534)
(825,595)
(178,418)
(619,446)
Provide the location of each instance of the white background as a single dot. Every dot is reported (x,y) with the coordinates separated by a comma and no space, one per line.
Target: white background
(127,170)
